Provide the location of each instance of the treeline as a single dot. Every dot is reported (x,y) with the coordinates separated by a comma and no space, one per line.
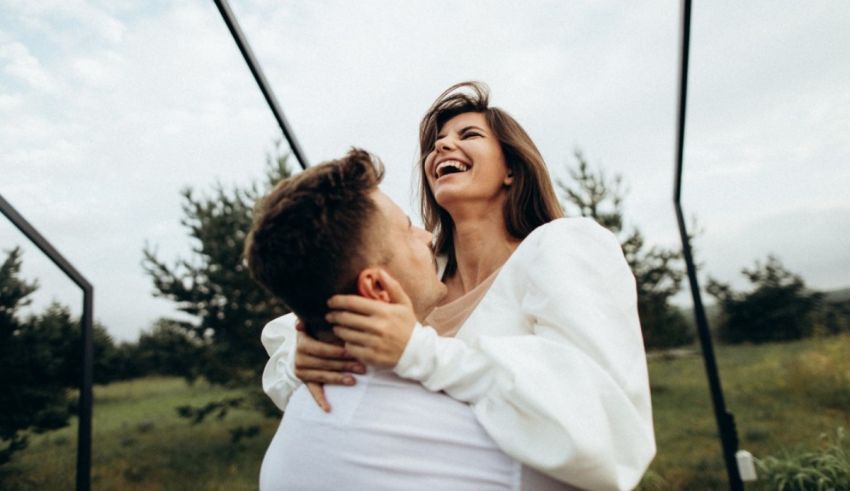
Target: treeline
(48,343)
(777,307)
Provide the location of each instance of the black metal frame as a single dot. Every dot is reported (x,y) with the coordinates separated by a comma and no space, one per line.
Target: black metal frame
(725,420)
(85,403)
(257,72)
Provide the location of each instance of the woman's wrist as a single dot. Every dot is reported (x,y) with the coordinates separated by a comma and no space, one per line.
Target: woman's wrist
(417,359)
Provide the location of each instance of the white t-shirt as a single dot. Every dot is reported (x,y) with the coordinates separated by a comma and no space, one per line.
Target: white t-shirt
(387,433)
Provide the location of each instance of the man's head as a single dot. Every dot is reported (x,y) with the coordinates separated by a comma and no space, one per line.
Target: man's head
(327,230)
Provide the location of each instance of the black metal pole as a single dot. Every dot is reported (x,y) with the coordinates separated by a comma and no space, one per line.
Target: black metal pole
(85,404)
(84,428)
(257,72)
(725,420)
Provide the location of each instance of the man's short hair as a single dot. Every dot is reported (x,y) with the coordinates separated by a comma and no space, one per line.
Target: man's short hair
(314,233)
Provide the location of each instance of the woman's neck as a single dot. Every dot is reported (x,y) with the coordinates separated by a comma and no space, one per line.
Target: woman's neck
(482,245)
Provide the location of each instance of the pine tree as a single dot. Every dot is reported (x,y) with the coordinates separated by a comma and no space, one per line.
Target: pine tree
(32,385)
(779,307)
(213,286)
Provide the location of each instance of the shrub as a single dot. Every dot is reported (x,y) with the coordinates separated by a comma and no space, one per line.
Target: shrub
(826,468)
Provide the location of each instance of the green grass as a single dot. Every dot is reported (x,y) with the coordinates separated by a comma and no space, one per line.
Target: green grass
(774,409)
(783,397)
(139,442)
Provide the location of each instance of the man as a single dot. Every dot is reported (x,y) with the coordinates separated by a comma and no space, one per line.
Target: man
(330,230)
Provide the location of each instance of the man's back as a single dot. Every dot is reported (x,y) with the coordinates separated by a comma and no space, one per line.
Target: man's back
(386,433)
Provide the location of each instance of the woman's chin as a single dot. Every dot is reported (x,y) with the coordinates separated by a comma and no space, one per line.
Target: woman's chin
(446,197)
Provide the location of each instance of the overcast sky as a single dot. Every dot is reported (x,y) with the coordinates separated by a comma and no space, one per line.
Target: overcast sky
(108,109)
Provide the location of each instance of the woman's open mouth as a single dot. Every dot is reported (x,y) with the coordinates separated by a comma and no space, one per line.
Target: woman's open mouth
(447,167)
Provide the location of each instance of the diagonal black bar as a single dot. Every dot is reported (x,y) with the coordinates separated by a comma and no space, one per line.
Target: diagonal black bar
(725,420)
(85,404)
(257,72)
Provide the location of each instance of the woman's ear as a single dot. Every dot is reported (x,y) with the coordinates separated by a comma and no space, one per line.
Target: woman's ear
(509,178)
(369,285)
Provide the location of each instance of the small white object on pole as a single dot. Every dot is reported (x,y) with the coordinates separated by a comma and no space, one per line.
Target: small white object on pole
(746,465)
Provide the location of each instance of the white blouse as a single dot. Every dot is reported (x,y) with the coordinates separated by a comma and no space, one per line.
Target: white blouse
(551,360)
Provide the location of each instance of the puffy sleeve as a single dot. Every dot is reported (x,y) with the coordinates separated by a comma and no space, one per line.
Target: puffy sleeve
(571,399)
(278,338)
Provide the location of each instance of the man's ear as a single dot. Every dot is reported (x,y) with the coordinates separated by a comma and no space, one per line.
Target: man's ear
(369,285)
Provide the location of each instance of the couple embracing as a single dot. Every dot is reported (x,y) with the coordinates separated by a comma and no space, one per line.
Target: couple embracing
(498,348)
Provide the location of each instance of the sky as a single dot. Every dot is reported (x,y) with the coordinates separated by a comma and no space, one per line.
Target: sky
(109,108)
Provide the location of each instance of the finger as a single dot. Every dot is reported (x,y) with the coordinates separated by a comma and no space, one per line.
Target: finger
(313,362)
(299,325)
(362,352)
(394,288)
(355,303)
(325,377)
(310,346)
(368,355)
(318,393)
(352,320)
(353,336)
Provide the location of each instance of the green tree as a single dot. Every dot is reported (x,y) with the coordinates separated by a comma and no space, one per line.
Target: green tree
(779,307)
(32,385)
(213,286)
(168,350)
(56,333)
(658,271)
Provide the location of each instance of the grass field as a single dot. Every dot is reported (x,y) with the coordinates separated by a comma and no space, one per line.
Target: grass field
(140,443)
(782,395)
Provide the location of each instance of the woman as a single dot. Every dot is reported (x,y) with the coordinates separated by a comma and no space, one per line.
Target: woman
(539,330)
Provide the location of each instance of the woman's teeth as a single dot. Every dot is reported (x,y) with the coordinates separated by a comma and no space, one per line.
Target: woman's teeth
(450,167)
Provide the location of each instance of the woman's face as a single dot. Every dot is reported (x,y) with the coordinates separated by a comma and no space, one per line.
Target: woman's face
(467,164)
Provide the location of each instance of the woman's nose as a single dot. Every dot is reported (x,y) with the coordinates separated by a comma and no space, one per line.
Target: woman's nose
(444,144)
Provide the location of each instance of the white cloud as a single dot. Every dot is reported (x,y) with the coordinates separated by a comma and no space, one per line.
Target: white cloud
(19,63)
(100,71)
(10,102)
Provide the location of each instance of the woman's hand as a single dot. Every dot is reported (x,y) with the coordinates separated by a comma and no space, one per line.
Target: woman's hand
(318,363)
(374,332)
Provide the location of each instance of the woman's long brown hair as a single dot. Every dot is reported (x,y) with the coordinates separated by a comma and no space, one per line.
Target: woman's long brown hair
(531,198)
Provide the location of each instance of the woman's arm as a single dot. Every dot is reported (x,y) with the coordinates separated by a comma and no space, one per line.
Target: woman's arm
(279,338)
(571,399)
(295,357)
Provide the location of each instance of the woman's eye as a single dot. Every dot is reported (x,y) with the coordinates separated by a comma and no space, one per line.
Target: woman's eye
(470,135)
